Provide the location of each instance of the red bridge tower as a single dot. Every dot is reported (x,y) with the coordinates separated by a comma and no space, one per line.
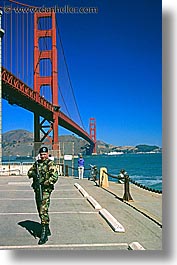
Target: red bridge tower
(43,129)
(93,133)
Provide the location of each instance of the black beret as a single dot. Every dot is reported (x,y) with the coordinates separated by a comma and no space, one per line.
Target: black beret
(43,150)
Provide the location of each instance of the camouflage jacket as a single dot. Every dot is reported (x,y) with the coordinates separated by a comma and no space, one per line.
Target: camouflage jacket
(48,174)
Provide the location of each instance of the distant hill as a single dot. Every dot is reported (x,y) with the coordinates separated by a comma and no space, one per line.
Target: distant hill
(17,142)
(20,142)
(107,148)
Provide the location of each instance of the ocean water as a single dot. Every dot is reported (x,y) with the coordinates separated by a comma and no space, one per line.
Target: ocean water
(145,169)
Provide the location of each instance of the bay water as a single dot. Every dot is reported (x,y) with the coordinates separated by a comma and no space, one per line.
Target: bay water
(144,168)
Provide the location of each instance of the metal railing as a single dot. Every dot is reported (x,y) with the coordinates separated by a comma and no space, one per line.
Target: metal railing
(123,176)
(21,168)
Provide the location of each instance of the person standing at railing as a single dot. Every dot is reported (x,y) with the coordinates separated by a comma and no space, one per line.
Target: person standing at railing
(81,167)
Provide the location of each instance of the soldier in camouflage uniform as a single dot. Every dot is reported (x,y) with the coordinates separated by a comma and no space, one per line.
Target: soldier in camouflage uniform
(48,177)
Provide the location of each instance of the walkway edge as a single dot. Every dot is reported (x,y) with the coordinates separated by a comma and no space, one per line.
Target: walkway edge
(135,246)
(116,226)
(82,191)
(94,203)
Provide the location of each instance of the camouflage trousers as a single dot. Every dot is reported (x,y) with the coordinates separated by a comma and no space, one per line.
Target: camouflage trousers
(43,207)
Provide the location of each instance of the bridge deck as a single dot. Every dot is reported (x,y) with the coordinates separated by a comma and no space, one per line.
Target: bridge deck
(75,223)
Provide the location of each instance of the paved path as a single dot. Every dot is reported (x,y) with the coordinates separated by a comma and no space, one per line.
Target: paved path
(147,202)
(75,223)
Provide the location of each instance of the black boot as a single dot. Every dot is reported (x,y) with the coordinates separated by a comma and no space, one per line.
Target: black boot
(44,236)
(48,230)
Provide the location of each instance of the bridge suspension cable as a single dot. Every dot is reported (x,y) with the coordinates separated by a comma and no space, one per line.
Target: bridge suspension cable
(66,65)
(20,3)
(18,59)
(67,69)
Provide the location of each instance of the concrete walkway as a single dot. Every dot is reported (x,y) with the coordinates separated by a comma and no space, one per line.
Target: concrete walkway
(75,222)
(147,202)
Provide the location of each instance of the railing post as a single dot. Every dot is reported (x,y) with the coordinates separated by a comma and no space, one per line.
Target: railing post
(127,196)
(66,171)
(62,169)
(103,177)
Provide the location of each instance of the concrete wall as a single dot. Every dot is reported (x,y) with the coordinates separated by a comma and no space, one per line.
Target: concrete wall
(18,168)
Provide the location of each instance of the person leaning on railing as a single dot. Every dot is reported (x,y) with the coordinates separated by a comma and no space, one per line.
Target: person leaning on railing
(81,167)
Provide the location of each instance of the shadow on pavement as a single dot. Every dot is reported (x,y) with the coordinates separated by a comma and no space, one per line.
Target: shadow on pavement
(34,228)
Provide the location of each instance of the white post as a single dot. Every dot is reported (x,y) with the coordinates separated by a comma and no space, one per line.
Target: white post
(1,35)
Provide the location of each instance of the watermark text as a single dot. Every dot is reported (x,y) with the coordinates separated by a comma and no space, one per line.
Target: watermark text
(56,9)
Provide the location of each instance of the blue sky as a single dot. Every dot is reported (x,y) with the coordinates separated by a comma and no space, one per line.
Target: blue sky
(115,63)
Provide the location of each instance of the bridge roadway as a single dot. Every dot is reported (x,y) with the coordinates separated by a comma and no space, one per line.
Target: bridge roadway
(17,92)
(75,223)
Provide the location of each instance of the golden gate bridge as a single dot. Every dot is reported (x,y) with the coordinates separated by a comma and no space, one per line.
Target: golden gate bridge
(31,78)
